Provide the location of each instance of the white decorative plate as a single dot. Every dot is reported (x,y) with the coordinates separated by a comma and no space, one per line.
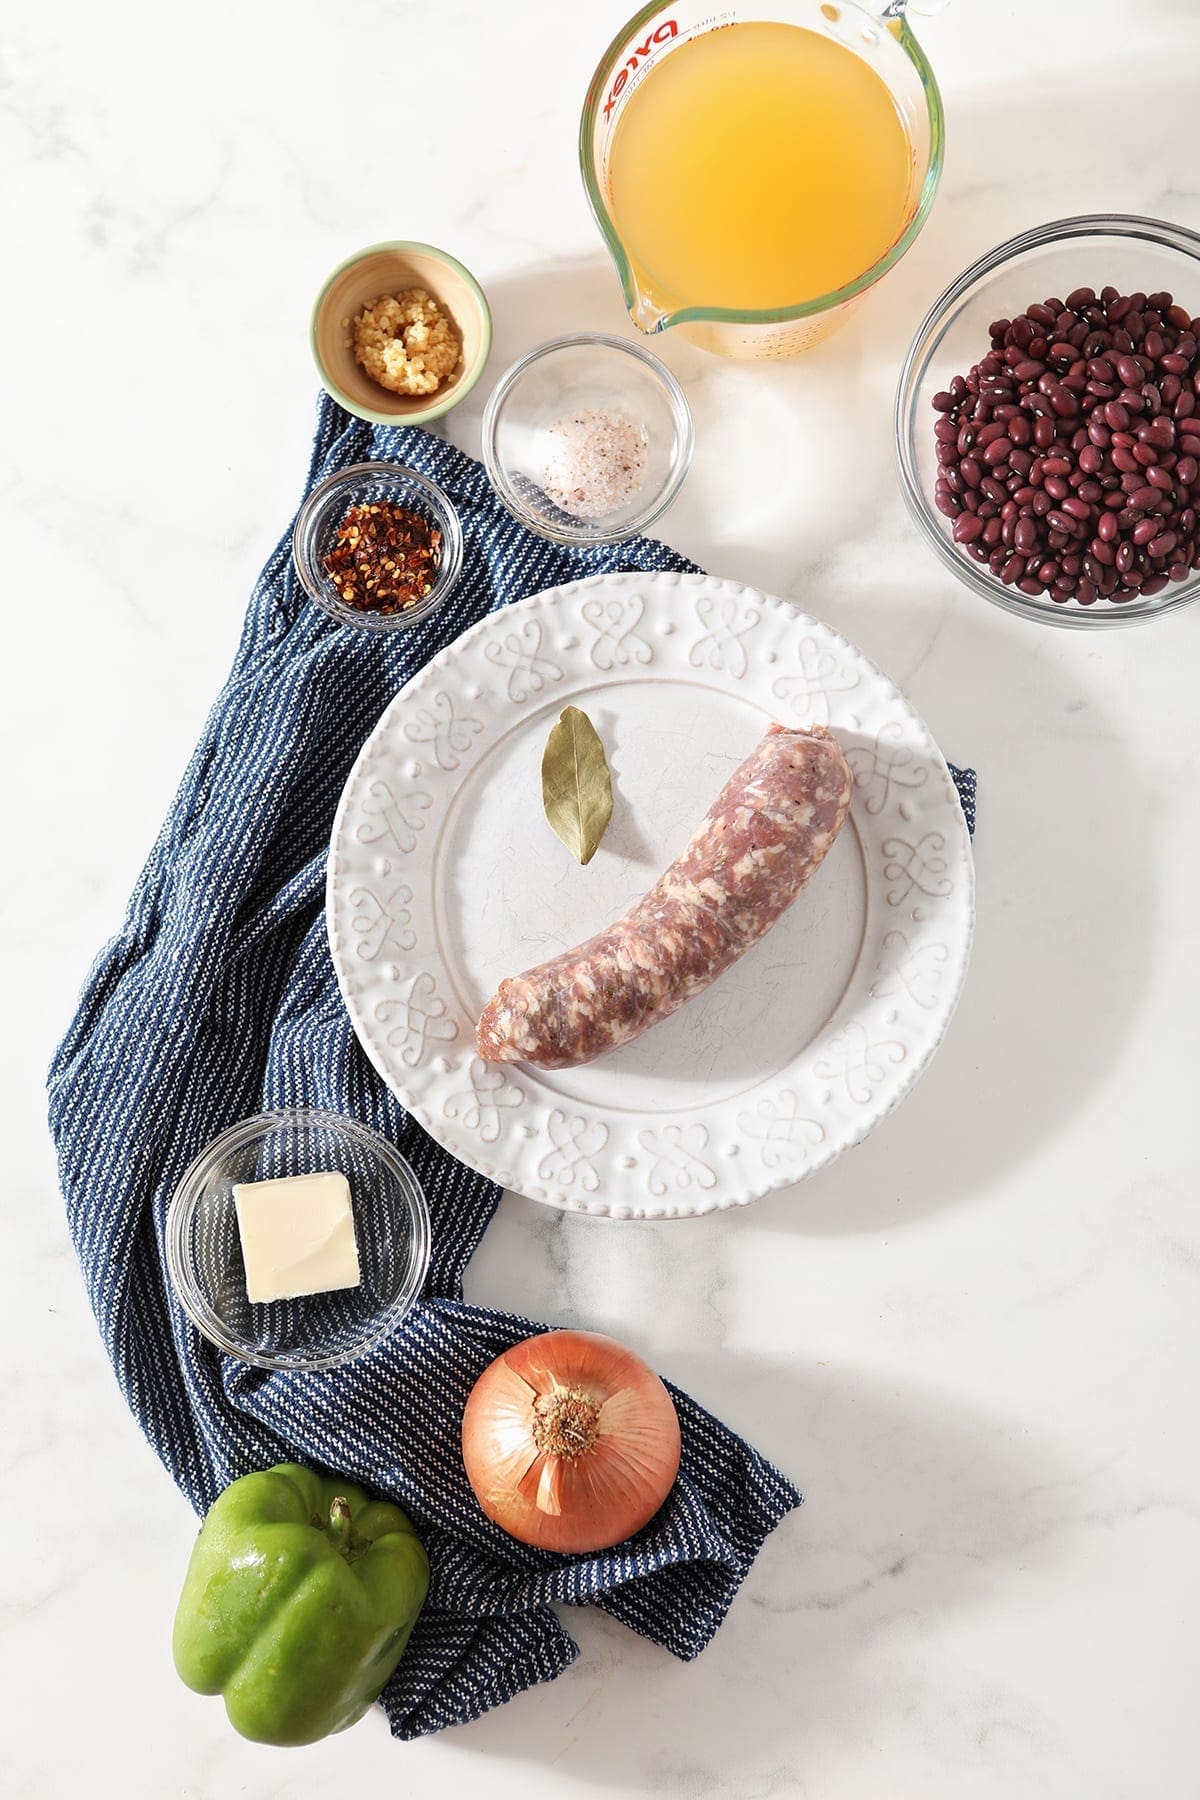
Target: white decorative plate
(444,877)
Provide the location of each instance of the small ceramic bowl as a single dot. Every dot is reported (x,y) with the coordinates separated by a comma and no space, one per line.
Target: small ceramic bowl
(316,1331)
(569,376)
(389,269)
(359,485)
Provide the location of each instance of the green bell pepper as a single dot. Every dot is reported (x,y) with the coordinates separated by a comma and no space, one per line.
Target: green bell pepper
(298,1603)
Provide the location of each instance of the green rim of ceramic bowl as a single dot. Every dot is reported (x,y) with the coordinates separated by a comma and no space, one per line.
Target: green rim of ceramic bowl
(461,388)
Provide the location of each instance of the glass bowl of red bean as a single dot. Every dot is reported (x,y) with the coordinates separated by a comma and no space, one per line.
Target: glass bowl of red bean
(1048,422)
(378,545)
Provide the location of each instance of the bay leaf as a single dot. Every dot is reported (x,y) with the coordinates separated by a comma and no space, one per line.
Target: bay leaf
(576,790)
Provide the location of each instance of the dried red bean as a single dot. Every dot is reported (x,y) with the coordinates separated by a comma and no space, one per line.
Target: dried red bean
(1071,433)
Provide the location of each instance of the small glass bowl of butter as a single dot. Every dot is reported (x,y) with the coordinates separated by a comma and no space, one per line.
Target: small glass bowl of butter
(298,1239)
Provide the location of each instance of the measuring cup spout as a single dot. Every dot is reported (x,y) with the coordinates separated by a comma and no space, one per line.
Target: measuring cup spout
(646,313)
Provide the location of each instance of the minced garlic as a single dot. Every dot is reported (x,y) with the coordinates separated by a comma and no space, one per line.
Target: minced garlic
(405,342)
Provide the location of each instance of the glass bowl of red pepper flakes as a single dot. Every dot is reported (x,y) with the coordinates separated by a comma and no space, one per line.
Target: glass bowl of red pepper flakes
(378,545)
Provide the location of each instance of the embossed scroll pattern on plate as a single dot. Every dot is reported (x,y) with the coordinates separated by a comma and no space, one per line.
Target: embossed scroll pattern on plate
(510,1121)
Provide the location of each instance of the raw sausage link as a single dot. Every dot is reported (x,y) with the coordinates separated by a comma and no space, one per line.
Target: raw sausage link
(767,831)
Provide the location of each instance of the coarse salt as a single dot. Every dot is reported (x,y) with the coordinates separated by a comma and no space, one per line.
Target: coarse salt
(595,463)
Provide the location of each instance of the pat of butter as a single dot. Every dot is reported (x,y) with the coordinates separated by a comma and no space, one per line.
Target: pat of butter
(297,1236)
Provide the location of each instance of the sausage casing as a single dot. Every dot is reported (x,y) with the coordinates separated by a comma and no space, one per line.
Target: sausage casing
(766,833)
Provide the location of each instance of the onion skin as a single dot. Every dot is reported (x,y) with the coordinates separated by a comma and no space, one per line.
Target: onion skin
(570,1503)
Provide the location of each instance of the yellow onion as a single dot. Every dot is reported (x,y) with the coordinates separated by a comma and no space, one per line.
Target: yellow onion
(570,1441)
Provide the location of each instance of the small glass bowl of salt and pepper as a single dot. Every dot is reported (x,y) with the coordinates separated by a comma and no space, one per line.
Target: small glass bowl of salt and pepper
(587,439)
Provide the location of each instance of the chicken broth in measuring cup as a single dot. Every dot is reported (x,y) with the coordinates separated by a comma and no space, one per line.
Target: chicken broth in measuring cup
(754,175)
(758,166)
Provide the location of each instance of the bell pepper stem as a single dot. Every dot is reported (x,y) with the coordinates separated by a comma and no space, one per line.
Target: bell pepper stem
(339,1524)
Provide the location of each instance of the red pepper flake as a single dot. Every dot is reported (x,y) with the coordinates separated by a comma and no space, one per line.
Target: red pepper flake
(384,557)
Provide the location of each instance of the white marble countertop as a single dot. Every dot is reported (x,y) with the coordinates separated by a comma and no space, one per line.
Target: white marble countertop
(974,1341)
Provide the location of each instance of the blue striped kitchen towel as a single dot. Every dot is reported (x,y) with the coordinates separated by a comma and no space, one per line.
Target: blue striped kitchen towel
(218,1000)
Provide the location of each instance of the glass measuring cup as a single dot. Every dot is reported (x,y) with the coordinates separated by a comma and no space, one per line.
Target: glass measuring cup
(884,43)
